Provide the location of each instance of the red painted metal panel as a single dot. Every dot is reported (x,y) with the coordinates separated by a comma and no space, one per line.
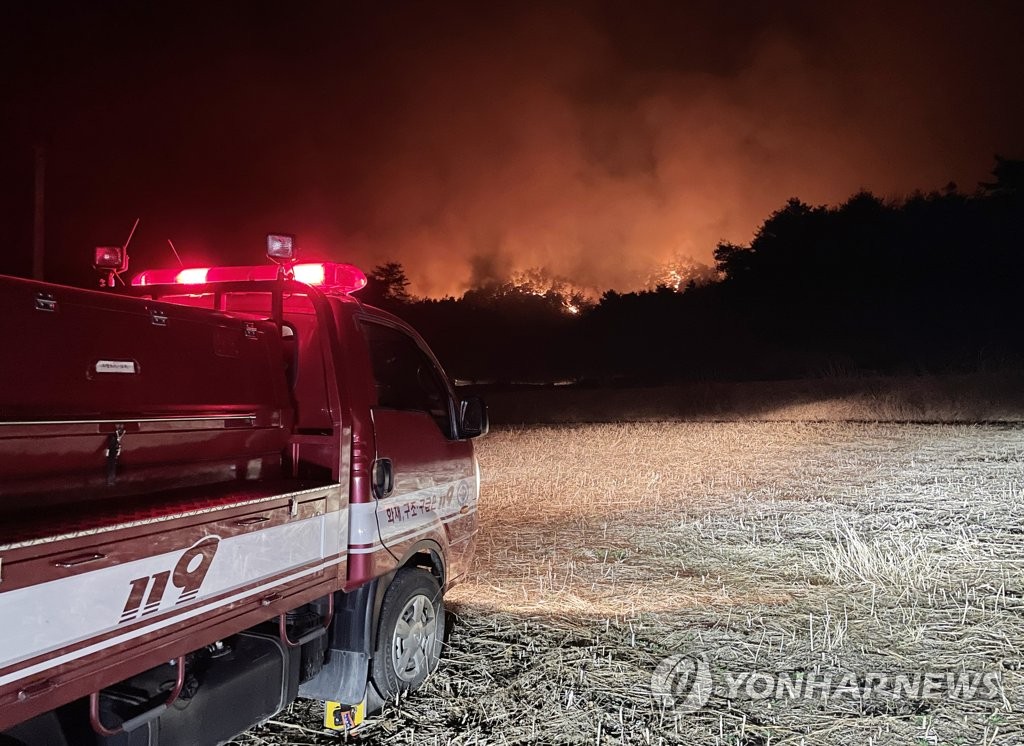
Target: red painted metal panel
(196,396)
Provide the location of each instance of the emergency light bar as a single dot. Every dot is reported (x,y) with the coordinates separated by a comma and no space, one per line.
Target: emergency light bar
(332,276)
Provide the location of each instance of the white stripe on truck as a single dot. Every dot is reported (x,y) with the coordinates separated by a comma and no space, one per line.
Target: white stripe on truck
(411,514)
(49,616)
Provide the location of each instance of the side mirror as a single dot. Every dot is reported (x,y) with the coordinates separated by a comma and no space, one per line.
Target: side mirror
(473,418)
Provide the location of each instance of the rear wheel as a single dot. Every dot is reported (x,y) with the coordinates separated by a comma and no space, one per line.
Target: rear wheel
(410,633)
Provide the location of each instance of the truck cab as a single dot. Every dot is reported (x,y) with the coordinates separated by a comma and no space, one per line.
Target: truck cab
(223,489)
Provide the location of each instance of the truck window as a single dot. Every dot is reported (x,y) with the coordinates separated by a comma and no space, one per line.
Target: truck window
(405,376)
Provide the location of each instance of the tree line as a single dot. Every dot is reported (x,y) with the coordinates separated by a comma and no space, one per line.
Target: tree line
(931,283)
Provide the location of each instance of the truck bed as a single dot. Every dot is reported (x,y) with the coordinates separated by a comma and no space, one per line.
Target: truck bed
(94,592)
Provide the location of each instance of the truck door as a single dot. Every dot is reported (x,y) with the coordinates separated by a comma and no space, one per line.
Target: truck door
(426,475)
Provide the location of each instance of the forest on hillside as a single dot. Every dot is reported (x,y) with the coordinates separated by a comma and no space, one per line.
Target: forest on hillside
(931,283)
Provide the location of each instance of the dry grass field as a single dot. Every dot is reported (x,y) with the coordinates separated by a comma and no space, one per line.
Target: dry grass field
(805,550)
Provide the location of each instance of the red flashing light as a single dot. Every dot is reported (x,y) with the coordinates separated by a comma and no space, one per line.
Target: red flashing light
(192,276)
(330,276)
(311,274)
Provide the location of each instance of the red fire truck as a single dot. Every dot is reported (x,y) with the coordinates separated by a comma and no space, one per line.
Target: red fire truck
(221,489)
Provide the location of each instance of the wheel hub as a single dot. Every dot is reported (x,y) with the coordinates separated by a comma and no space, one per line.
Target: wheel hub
(415,634)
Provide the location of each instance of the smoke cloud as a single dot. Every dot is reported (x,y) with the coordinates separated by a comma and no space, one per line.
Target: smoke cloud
(554,138)
(590,139)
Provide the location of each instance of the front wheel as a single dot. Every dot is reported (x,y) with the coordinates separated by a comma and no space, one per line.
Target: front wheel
(410,633)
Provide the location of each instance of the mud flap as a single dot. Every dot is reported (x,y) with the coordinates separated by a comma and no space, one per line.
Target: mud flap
(345,672)
(342,679)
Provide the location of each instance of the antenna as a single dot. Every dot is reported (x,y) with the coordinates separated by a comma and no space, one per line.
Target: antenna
(176,256)
(130,234)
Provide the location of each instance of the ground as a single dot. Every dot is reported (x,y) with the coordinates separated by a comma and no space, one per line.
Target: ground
(785,566)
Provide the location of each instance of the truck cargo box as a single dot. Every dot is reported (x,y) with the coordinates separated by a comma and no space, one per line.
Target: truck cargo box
(103,396)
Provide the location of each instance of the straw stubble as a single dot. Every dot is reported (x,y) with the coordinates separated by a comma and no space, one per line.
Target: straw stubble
(792,549)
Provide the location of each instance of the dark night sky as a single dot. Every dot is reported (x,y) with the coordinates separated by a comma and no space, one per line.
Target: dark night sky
(595,139)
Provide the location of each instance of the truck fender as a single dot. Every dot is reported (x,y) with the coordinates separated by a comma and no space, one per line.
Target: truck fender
(353,634)
(425,553)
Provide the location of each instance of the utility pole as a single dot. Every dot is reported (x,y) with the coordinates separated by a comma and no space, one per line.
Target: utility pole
(39,226)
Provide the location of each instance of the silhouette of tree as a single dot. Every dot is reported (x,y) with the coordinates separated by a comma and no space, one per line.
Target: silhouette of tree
(387,285)
(1009,177)
(732,260)
(928,283)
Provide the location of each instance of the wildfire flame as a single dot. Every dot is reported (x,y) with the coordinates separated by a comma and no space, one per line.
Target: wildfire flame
(679,272)
(537,281)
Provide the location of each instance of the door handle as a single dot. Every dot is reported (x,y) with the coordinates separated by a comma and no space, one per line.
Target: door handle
(252,521)
(79,560)
(382,480)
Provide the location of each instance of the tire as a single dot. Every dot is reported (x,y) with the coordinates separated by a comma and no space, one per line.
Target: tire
(409,635)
